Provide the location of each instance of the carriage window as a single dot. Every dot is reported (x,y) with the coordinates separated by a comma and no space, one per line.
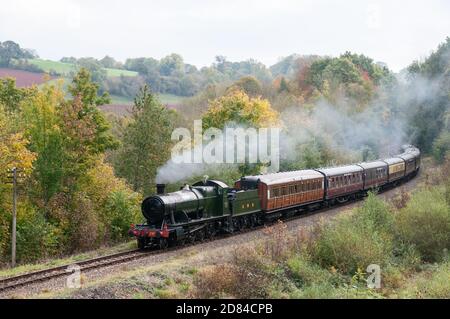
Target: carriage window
(276,192)
(284,191)
(292,189)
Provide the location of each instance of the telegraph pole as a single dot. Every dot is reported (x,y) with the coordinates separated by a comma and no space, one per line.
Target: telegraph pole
(14,219)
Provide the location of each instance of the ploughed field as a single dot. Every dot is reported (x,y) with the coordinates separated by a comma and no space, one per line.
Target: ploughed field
(24,78)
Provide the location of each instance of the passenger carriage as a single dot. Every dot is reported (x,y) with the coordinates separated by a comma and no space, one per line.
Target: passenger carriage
(342,181)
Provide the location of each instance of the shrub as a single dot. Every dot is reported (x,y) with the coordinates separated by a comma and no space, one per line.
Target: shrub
(256,274)
(249,275)
(425,224)
(434,286)
(215,281)
(305,273)
(327,291)
(374,214)
(83,224)
(123,208)
(349,246)
(278,242)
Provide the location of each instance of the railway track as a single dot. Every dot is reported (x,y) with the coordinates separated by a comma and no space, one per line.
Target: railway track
(11,283)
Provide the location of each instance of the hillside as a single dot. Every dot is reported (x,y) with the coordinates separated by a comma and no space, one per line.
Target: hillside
(67,68)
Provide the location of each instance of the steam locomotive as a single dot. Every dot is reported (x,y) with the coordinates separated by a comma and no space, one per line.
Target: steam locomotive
(209,207)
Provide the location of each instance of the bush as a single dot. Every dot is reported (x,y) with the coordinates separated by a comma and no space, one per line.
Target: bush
(348,248)
(425,224)
(256,274)
(123,211)
(354,242)
(327,291)
(249,275)
(305,273)
(441,146)
(375,214)
(434,286)
(36,238)
(215,281)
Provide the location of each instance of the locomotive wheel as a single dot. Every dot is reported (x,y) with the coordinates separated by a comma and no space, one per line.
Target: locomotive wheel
(247,222)
(163,243)
(237,224)
(141,243)
(253,221)
(210,231)
(190,239)
(201,235)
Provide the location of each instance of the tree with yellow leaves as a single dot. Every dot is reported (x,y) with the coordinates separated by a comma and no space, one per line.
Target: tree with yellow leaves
(238,108)
(13,146)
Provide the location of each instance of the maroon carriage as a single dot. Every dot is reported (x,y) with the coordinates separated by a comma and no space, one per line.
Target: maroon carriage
(342,181)
(375,174)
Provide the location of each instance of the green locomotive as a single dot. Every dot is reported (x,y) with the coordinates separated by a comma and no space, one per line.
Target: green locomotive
(196,212)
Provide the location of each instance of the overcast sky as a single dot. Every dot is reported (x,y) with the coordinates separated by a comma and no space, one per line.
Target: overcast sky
(396,32)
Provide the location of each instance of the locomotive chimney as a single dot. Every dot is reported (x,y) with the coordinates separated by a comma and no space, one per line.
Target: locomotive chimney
(160,189)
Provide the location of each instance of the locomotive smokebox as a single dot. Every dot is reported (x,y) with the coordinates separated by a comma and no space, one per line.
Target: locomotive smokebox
(160,189)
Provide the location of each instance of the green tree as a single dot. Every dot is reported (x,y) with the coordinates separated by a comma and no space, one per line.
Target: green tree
(9,51)
(96,69)
(431,105)
(43,130)
(146,142)
(249,84)
(11,96)
(108,62)
(283,85)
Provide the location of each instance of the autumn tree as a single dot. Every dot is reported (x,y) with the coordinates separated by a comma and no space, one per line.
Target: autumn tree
(85,94)
(249,84)
(239,108)
(146,142)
